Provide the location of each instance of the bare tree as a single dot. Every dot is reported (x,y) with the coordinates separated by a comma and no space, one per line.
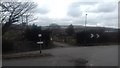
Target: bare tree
(12,11)
(70,30)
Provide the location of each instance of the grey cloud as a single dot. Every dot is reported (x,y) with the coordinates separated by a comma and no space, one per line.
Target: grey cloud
(74,10)
(87,3)
(44,21)
(108,16)
(109,19)
(84,3)
(107,7)
(105,15)
(47,21)
(79,21)
(41,10)
(111,23)
(104,7)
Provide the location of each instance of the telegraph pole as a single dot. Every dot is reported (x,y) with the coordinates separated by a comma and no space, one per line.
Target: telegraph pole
(85,20)
(85,29)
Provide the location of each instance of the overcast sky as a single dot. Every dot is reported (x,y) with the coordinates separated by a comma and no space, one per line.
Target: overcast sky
(66,12)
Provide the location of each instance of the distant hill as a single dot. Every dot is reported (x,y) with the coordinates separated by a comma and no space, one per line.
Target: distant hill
(79,28)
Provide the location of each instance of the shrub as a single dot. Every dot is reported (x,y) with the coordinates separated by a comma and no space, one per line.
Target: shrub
(31,34)
(7,46)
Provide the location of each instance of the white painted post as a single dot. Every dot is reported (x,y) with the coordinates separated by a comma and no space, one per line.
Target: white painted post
(39,35)
(40,42)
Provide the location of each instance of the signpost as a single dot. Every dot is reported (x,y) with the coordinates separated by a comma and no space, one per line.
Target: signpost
(92,35)
(40,42)
(97,35)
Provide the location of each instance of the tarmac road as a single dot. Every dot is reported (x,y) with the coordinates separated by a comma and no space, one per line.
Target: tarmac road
(72,56)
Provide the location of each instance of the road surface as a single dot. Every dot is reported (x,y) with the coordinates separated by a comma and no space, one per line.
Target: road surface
(72,56)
